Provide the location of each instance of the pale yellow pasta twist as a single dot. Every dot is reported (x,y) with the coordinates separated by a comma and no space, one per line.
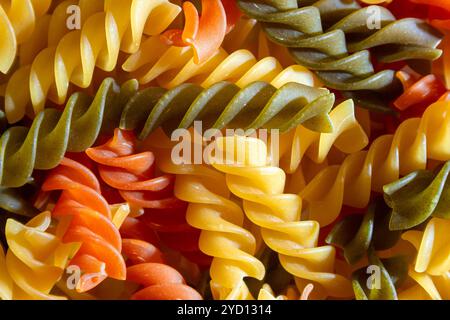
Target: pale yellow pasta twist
(35,260)
(348,136)
(431,268)
(415,142)
(220,219)
(18,18)
(170,66)
(115,25)
(261,187)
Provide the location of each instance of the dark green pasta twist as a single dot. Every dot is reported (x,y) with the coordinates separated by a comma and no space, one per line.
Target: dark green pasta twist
(380,279)
(418,196)
(225,105)
(77,127)
(355,234)
(332,37)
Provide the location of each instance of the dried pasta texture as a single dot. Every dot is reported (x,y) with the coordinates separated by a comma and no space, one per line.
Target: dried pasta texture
(332,37)
(109,26)
(85,217)
(35,260)
(18,20)
(223,236)
(244,161)
(348,136)
(415,142)
(357,233)
(170,66)
(134,174)
(430,270)
(417,196)
(225,105)
(147,268)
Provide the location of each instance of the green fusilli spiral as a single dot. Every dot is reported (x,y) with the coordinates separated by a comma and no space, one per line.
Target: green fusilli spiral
(76,128)
(332,37)
(417,196)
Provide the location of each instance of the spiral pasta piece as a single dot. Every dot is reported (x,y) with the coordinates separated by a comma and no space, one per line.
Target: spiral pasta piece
(427,287)
(171,66)
(119,26)
(221,221)
(417,196)
(332,37)
(133,174)
(414,143)
(277,214)
(355,234)
(85,217)
(348,136)
(17,22)
(257,105)
(433,249)
(35,260)
(160,281)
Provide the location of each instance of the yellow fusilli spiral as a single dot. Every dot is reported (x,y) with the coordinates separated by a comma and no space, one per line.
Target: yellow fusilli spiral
(348,136)
(431,268)
(18,19)
(415,142)
(171,66)
(36,259)
(109,26)
(221,220)
(244,161)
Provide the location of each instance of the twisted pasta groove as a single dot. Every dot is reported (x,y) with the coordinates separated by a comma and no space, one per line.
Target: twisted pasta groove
(355,234)
(35,260)
(261,188)
(258,105)
(53,133)
(160,281)
(119,26)
(17,22)
(415,142)
(417,196)
(85,217)
(332,37)
(433,249)
(221,220)
(171,66)
(348,136)
(431,268)
(133,174)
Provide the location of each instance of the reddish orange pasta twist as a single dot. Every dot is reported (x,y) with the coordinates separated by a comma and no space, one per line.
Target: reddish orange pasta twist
(133,175)
(85,217)
(160,281)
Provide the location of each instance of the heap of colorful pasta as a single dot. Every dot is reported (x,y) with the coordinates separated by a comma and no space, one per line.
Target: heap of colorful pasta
(225,149)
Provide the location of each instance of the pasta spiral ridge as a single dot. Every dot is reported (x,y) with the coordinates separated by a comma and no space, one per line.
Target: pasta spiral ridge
(147,268)
(258,105)
(221,221)
(332,37)
(417,196)
(35,260)
(414,143)
(171,66)
(119,26)
(355,234)
(431,268)
(17,22)
(85,217)
(53,133)
(348,136)
(261,188)
(133,174)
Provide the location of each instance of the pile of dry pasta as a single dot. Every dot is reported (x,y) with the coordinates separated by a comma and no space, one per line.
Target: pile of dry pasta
(333,117)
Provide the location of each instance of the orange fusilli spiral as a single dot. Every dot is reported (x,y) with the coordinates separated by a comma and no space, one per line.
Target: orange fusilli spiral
(85,217)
